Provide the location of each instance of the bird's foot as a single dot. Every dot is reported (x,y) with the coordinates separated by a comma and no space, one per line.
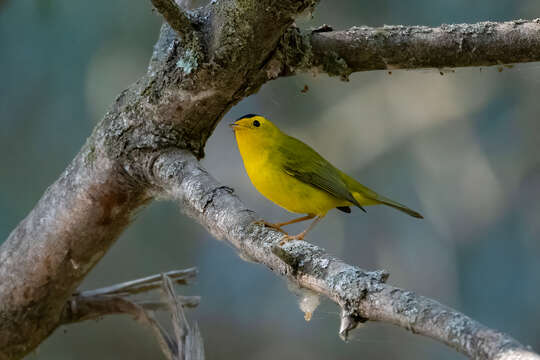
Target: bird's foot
(271,226)
(288,238)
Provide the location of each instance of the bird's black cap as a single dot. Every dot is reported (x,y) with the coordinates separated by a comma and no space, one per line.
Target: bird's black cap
(247,116)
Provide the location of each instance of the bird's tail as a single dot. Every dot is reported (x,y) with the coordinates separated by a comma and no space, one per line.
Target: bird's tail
(365,196)
(400,207)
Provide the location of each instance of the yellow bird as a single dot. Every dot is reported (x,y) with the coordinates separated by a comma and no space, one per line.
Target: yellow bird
(294,176)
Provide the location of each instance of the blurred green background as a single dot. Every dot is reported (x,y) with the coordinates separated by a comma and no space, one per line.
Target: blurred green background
(462,148)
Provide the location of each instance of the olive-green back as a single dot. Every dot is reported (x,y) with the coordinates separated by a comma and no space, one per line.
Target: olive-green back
(305,164)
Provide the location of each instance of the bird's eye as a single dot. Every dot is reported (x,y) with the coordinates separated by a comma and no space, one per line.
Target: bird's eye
(256,123)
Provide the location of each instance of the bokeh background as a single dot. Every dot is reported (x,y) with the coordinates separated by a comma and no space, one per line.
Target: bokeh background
(462,148)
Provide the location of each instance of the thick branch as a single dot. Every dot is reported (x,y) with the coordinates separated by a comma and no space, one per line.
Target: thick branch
(411,47)
(46,257)
(362,295)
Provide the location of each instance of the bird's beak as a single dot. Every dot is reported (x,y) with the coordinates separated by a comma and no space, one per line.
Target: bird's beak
(234,125)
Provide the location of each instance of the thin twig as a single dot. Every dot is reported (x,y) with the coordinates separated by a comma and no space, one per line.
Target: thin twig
(117,299)
(144,284)
(188,345)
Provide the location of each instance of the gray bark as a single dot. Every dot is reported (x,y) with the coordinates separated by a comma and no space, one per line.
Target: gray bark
(147,146)
(49,253)
(341,53)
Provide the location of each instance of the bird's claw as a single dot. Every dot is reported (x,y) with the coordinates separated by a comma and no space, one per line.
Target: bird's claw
(288,238)
(271,226)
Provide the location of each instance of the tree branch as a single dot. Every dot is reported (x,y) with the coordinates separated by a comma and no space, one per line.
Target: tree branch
(142,285)
(362,295)
(53,248)
(187,90)
(174,15)
(341,53)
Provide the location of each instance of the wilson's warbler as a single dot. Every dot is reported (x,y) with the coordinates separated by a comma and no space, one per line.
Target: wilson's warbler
(294,176)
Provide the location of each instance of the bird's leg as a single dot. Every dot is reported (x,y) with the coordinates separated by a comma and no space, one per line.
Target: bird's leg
(279,225)
(271,226)
(301,236)
(297,220)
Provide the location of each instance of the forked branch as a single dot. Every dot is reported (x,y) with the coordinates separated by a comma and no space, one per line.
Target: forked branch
(192,82)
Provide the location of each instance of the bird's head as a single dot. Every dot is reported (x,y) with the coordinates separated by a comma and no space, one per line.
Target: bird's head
(254,123)
(254,126)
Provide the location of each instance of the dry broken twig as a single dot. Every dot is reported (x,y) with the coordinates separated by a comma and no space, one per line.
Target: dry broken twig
(184,344)
(182,277)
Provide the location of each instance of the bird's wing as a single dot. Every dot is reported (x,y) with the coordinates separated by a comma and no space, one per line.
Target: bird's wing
(306,165)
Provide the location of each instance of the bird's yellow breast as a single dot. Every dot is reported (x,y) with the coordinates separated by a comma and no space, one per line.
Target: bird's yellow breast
(264,168)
